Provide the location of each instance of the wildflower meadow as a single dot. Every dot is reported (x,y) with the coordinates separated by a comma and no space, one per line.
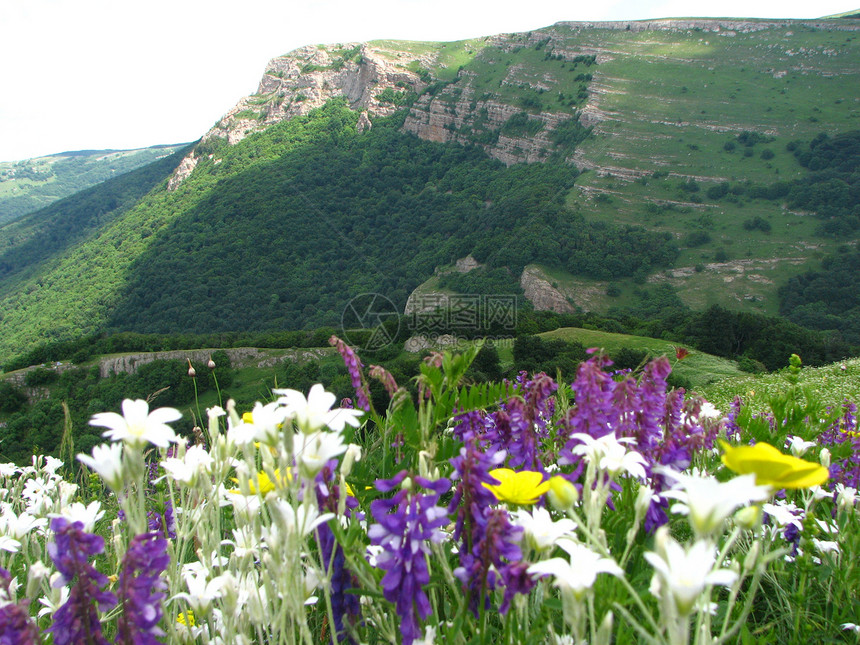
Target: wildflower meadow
(612,509)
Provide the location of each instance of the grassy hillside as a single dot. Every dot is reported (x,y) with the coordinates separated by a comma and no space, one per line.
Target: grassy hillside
(674,107)
(31,184)
(698,368)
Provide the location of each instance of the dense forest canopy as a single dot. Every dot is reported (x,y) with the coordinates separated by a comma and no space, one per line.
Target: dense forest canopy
(287,242)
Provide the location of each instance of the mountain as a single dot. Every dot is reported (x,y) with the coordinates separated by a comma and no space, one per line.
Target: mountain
(31,184)
(584,162)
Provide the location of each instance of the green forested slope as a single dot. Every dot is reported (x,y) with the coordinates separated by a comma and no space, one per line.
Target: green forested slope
(28,241)
(31,184)
(292,222)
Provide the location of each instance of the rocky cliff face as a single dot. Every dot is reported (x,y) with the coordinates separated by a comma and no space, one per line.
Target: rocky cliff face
(372,79)
(377,80)
(540,292)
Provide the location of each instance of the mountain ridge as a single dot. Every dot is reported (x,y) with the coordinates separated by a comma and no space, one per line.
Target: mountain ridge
(656,143)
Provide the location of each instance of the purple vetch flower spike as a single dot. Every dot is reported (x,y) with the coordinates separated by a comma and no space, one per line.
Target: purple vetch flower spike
(353,366)
(471,471)
(384,376)
(77,621)
(652,393)
(495,550)
(473,424)
(592,390)
(406,525)
(631,421)
(16,628)
(733,430)
(142,590)
(344,605)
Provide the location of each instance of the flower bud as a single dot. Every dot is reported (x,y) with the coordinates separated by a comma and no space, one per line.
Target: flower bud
(748,518)
(406,484)
(604,632)
(824,457)
(846,497)
(191,371)
(562,494)
(643,501)
(210,364)
(38,571)
(353,454)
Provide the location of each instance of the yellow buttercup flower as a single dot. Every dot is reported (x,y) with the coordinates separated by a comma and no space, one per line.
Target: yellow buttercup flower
(266,483)
(773,468)
(186,618)
(524,487)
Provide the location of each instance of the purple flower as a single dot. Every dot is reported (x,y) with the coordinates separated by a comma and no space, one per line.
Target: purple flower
(384,376)
(471,498)
(142,590)
(353,366)
(16,628)
(406,525)
(163,523)
(344,605)
(593,394)
(77,621)
(495,554)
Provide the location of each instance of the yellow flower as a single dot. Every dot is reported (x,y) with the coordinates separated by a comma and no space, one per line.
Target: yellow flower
(771,467)
(524,487)
(266,484)
(248,417)
(186,618)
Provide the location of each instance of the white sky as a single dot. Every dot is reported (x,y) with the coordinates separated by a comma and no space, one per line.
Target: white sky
(94,74)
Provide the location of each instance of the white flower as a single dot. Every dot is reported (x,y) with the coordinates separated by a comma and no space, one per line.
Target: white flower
(9,469)
(540,530)
(244,505)
(429,636)
(107,462)
(9,544)
(201,592)
(845,496)
(708,411)
(685,573)
(36,490)
(244,542)
(194,463)
(798,446)
(784,514)
(267,422)
(51,465)
(314,412)
(826,546)
(609,453)
(579,574)
(138,425)
(312,451)
(59,596)
(87,515)
(709,502)
(852,627)
(301,520)
(18,526)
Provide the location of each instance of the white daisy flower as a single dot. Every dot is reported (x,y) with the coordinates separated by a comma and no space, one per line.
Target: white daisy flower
(137,425)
